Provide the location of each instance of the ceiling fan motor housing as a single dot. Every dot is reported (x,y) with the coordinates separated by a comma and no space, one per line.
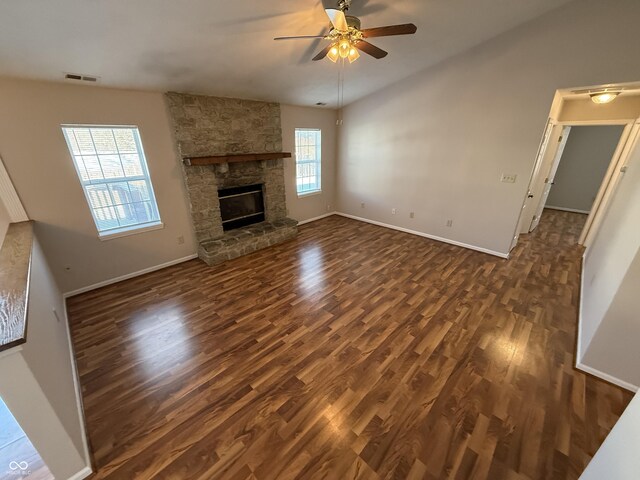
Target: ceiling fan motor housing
(353,22)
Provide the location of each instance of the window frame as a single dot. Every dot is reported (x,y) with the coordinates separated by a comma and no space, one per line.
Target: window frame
(318,161)
(120,231)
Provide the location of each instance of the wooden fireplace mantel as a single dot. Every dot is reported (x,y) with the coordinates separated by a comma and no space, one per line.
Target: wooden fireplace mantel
(247,157)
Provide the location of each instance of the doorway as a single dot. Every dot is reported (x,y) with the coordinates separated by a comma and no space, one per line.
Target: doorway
(579,170)
(18,457)
(573,109)
(550,153)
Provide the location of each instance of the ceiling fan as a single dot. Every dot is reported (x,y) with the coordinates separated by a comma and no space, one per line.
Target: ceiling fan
(346,36)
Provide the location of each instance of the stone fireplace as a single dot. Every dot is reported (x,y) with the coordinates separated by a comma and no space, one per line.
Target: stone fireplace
(210,127)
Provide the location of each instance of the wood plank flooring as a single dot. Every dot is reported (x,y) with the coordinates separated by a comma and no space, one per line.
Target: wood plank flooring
(352,352)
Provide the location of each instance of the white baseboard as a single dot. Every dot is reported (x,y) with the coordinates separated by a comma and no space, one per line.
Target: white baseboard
(579,350)
(579,339)
(605,376)
(129,275)
(361,219)
(78,393)
(84,473)
(426,235)
(320,217)
(572,210)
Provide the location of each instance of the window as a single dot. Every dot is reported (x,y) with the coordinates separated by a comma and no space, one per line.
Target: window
(113,172)
(308,160)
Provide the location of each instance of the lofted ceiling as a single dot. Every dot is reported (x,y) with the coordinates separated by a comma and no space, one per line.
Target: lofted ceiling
(226,48)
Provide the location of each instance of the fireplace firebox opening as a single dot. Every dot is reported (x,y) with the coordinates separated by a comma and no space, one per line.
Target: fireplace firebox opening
(241,206)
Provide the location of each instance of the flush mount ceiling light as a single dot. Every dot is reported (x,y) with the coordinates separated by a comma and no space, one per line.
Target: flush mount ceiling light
(604,96)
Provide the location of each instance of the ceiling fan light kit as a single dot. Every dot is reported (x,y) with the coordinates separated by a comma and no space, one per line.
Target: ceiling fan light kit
(347,38)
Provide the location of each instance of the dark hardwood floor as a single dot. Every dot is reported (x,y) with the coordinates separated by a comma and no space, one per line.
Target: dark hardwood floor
(351,352)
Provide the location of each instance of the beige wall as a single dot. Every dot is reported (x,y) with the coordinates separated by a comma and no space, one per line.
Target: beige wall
(310,206)
(48,349)
(614,348)
(36,157)
(617,458)
(584,162)
(35,154)
(437,143)
(605,273)
(5,220)
(37,378)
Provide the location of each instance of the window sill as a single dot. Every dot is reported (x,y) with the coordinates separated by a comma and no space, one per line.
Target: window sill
(125,232)
(309,194)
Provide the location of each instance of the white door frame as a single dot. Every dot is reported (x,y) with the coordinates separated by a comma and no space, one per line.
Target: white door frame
(630,134)
(548,168)
(617,167)
(546,136)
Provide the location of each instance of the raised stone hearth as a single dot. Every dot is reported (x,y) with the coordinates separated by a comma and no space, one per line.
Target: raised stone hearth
(222,126)
(246,240)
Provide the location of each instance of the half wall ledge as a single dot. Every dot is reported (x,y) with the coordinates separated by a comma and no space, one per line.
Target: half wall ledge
(15,265)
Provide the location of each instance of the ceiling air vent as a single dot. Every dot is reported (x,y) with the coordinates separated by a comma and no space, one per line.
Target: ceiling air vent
(81,78)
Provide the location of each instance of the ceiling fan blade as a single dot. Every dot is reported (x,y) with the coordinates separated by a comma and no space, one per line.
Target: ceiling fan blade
(338,19)
(405,29)
(372,50)
(322,53)
(300,37)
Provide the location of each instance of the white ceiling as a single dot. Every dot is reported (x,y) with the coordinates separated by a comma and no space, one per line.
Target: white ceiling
(226,47)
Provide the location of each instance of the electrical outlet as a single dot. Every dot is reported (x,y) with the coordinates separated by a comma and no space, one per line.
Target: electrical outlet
(181,240)
(393,211)
(362,205)
(508,178)
(449,223)
(328,207)
(412,215)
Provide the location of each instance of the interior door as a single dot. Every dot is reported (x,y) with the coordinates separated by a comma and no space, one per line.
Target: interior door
(547,181)
(526,213)
(542,168)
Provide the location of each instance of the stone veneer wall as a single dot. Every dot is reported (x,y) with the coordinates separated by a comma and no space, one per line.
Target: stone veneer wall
(219,126)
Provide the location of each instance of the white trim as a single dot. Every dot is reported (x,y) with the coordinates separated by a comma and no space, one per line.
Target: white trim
(129,275)
(579,339)
(310,193)
(579,123)
(565,209)
(320,217)
(624,150)
(10,197)
(127,231)
(79,400)
(426,235)
(84,473)
(607,377)
(608,186)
